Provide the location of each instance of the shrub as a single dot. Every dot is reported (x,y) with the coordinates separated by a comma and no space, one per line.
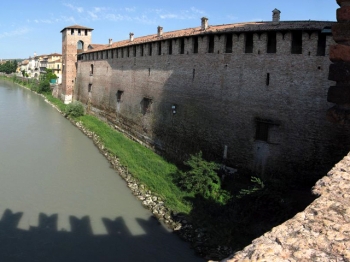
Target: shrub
(202,179)
(44,87)
(74,109)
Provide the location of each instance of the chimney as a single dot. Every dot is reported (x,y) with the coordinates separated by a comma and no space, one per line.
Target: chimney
(160,30)
(204,25)
(110,42)
(131,37)
(276,15)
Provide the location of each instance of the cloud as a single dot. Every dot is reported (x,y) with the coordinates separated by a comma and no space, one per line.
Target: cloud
(75,8)
(16,32)
(191,13)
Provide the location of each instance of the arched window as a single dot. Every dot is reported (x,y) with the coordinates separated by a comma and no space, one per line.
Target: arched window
(80,45)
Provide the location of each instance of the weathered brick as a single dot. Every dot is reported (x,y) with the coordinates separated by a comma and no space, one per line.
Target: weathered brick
(339,94)
(339,53)
(341,32)
(339,72)
(343,14)
(343,2)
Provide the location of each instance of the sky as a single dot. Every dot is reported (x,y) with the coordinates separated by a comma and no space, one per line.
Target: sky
(28,27)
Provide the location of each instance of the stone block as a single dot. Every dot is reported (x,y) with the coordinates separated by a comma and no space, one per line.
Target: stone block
(341,32)
(339,72)
(339,95)
(343,14)
(339,53)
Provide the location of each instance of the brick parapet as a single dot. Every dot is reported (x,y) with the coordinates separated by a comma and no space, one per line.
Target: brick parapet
(320,233)
(338,71)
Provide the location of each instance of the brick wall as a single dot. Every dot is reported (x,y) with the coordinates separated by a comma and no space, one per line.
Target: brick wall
(221,99)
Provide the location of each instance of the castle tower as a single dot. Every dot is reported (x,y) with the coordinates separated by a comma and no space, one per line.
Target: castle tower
(75,40)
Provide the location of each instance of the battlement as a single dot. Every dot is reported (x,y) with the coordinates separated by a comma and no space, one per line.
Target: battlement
(299,37)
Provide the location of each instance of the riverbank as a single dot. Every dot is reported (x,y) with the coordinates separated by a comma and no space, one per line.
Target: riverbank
(148,176)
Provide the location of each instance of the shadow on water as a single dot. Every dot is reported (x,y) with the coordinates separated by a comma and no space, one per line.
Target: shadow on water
(46,243)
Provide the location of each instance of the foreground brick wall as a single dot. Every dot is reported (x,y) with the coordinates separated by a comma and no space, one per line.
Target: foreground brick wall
(320,233)
(339,71)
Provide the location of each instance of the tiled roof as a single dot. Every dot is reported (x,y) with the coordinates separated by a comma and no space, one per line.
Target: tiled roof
(76,27)
(227,28)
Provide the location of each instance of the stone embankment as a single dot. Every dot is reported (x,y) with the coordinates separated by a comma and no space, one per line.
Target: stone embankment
(320,233)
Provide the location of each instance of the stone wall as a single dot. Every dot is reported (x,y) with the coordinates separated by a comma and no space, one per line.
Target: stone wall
(320,233)
(220,99)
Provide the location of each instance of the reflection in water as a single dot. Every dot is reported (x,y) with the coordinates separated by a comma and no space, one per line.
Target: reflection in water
(72,206)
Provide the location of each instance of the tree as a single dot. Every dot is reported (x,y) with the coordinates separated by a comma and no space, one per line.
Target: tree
(202,179)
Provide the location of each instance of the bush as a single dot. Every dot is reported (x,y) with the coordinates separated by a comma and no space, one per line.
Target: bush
(202,179)
(74,109)
(44,87)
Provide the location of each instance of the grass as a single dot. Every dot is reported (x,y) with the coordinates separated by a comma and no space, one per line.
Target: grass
(145,165)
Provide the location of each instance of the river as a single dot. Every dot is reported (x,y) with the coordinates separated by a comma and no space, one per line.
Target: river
(60,200)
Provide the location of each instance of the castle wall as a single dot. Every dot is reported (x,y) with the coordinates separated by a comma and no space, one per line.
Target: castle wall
(268,108)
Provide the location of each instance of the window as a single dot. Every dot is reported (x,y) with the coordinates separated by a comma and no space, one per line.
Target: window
(182,46)
(72,31)
(249,43)
(297,42)
(141,50)
(211,44)
(128,52)
(91,69)
(262,130)
(268,79)
(146,105)
(150,49)
(228,43)
(89,88)
(79,32)
(271,42)
(119,95)
(321,44)
(195,44)
(80,45)
(170,47)
(86,32)
(159,48)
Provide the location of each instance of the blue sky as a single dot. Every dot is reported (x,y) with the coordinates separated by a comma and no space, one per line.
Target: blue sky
(34,26)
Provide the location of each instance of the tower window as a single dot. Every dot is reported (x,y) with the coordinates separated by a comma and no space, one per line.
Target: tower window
(86,32)
(134,50)
(79,32)
(141,50)
(249,43)
(89,88)
(72,31)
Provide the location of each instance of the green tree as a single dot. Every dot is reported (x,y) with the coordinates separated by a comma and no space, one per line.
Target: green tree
(202,179)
